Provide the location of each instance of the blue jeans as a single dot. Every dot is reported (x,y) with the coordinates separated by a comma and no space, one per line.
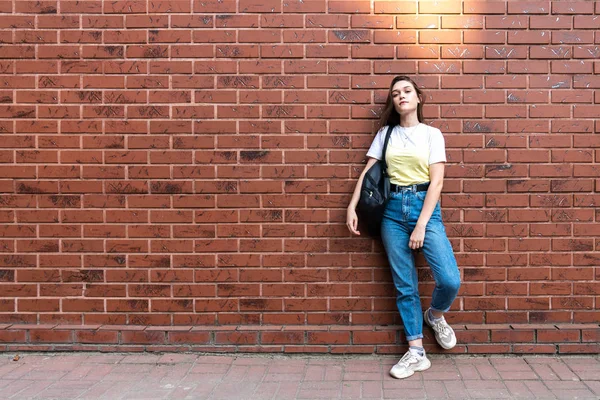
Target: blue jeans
(399,220)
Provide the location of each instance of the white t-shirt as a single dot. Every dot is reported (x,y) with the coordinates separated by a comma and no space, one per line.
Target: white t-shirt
(410,153)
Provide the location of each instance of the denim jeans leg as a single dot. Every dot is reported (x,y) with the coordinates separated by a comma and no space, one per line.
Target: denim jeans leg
(395,234)
(440,257)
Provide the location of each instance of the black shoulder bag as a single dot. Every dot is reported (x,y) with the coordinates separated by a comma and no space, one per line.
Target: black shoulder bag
(374,193)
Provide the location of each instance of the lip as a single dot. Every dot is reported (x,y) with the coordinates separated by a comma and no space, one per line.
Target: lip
(404,102)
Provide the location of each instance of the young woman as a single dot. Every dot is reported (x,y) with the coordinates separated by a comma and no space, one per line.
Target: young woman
(412,220)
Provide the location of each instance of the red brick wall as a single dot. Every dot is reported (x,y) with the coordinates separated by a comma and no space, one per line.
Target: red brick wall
(189,162)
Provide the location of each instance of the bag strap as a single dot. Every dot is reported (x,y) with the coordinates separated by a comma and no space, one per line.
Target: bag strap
(385,144)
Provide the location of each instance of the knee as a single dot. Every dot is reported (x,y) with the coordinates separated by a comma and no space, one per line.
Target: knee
(407,293)
(451,284)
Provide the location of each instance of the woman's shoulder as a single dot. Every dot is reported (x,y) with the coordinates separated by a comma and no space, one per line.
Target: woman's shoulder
(384,129)
(431,128)
(433,131)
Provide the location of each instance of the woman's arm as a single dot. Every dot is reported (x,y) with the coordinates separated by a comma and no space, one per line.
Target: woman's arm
(436,178)
(351,217)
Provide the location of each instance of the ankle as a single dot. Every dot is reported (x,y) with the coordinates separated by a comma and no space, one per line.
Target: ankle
(434,316)
(417,350)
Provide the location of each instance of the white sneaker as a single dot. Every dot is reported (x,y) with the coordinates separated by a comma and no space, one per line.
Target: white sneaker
(409,364)
(444,334)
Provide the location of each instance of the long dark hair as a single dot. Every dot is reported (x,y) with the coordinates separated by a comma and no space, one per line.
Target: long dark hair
(389,115)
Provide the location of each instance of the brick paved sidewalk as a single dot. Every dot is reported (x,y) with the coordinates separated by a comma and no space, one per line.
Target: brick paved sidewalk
(193,376)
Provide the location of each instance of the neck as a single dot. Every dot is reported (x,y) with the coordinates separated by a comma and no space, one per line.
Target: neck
(409,121)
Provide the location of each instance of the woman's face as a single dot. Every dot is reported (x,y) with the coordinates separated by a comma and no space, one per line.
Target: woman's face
(405,97)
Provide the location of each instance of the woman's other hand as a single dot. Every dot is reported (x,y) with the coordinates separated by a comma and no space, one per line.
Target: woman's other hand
(417,237)
(352,221)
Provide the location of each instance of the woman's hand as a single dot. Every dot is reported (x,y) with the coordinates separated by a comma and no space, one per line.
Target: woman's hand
(351,217)
(352,221)
(417,237)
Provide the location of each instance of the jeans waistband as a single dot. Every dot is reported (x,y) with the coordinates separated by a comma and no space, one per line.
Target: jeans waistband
(421,187)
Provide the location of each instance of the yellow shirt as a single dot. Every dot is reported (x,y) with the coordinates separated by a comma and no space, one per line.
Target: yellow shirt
(407,166)
(410,152)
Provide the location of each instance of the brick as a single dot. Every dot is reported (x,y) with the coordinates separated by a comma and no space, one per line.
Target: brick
(488,348)
(153,337)
(282,338)
(238,338)
(587,348)
(50,336)
(248,200)
(512,336)
(361,338)
(13,336)
(535,348)
(96,337)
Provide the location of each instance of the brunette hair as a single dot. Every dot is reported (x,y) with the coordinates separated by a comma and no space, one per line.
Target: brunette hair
(389,115)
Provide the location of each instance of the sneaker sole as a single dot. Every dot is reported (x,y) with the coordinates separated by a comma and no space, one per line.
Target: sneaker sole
(424,367)
(442,345)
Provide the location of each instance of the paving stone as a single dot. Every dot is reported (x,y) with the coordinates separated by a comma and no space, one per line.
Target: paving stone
(287,390)
(414,382)
(594,386)
(255,372)
(88,372)
(282,378)
(103,359)
(107,390)
(574,394)
(215,360)
(544,372)
(485,388)
(403,394)
(510,364)
(456,389)
(373,366)
(8,368)
(362,376)
(440,372)
(19,372)
(200,391)
(468,372)
(178,359)
(141,359)
(435,390)
(372,390)
(319,390)
(269,377)
(37,375)
(539,390)
(487,372)
(287,369)
(234,390)
(210,369)
(518,375)
(566,385)
(65,390)
(32,389)
(540,359)
(563,371)
(314,373)
(519,389)
(265,391)
(22,388)
(352,390)
(333,372)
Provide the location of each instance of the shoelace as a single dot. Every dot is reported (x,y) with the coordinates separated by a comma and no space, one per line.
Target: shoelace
(442,328)
(407,358)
